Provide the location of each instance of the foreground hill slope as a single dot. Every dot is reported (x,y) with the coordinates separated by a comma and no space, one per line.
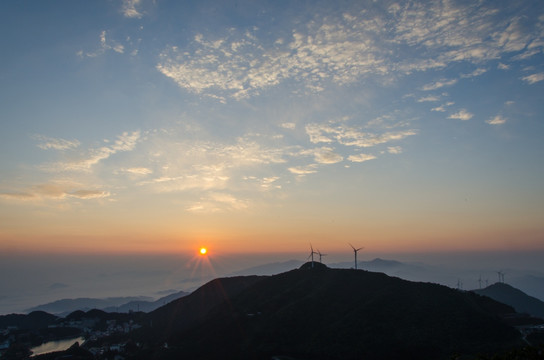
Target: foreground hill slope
(323,313)
(516,298)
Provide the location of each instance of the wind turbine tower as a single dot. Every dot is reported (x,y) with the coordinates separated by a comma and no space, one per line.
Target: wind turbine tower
(501,276)
(355,252)
(320,255)
(312,252)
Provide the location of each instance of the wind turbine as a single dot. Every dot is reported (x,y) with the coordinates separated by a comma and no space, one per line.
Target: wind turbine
(480,281)
(501,276)
(312,252)
(459,284)
(320,255)
(355,252)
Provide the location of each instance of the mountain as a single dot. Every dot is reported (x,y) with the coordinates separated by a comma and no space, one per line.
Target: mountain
(66,306)
(146,306)
(181,314)
(321,313)
(34,320)
(516,298)
(115,304)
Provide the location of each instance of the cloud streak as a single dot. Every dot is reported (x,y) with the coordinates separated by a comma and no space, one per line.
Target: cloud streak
(47,143)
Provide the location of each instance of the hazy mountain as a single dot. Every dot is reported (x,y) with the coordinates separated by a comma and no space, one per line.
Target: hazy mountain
(116,304)
(516,298)
(146,306)
(66,306)
(323,313)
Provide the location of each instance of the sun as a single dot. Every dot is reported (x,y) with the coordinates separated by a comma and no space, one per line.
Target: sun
(203,251)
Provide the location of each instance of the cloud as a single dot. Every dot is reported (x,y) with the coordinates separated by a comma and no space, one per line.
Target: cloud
(124,142)
(289,126)
(442,108)
(429,98)
(502,66)
(497,120)
(361,157)
(24,196)
(439,84)
(461,115)
(326,155)
(89,194)
(534,78)
(475,73)
(333,49)
(105,45)
(352,136)
(138,171)
(56,191)
(129,9)
(218,202)
(394,150)
(191,164)
(56,144)
(303,170)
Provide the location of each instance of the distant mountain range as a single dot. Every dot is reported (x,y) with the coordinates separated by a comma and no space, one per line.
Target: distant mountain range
(516,298)
(530,284)
(114,304)
(321,313)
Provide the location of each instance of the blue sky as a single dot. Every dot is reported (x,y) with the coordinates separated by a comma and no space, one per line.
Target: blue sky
(256,125)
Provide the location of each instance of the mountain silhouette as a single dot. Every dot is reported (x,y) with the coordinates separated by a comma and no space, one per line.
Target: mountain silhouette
(321,313)
(516,298)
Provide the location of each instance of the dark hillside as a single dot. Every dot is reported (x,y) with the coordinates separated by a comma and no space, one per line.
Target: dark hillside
(34,320)
(180,314)
(520,301)
(325,313)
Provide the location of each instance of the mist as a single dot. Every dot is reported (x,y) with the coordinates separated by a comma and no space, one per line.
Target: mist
(32,279)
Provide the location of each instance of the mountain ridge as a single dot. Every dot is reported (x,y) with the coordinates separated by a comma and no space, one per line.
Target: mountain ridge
(324,313)
(514,297)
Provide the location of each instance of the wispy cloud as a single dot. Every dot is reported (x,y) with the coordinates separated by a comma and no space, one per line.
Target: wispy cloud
(303,170)
(326,155)
(477,72)
(439,84)
(394,149)
(442,108)
(352,136)
(289,126)
(129,9)
(105,44)
(534,78)
(429,98)
(461,115)
(56,191)
(125,142)
(56,143)
(138,171)
(346,48)
(361,157)
(341,50)
(497,120)
(218,202)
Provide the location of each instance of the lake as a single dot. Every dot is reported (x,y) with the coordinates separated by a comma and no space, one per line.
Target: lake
(58,345)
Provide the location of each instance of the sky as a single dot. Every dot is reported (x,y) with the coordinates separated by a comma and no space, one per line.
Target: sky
(157,126)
